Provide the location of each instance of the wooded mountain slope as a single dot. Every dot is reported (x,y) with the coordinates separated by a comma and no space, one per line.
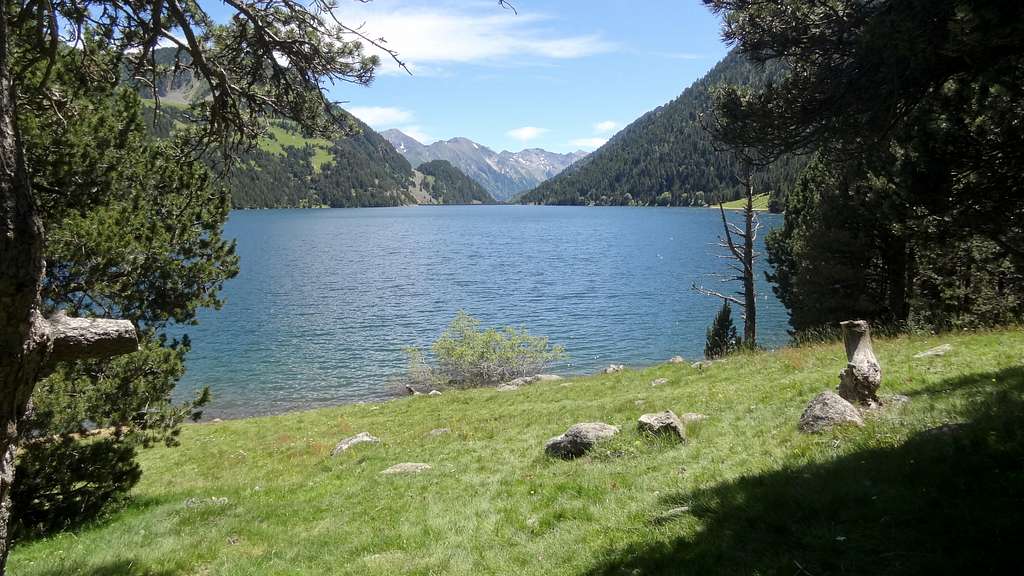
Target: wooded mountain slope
(665,157)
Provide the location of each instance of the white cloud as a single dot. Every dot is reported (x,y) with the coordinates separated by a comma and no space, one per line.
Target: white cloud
(417,134)
(464,32)
(606,126)
(526,133)
(381,116)
(589,143)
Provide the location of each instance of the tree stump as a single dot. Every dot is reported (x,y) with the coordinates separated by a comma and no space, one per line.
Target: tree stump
(859,382)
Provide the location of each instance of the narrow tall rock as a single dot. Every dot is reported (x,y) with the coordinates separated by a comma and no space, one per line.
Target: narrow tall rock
(859,382)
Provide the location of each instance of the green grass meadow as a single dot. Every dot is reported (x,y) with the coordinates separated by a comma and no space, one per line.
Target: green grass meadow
(263,496)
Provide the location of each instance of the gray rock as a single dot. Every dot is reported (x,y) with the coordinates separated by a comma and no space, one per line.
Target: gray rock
(937,351)
(677,360)
(579,439)
(828,409)
(407,468)
(613,368)
(670,515)
(662,424)
(659,381)
(692,417)
(440,431)
(361,438)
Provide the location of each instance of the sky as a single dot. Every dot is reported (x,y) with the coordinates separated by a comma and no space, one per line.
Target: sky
(562,75)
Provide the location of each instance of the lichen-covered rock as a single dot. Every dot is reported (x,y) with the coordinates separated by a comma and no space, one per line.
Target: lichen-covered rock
(828,409)
(579,439)
(662,424)
(361,438)
(407,468)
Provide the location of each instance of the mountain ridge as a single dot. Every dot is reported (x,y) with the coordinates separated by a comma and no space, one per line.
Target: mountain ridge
(503,174)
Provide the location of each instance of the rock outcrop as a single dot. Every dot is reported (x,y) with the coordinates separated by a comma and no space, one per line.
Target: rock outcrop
(662,424)
(361,438)
(827,410)
(579,439)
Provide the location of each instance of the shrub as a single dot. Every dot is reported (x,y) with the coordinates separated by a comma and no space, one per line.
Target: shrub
(468,357)
(721,335)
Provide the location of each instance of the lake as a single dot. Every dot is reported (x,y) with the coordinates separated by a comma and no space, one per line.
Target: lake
(327,300)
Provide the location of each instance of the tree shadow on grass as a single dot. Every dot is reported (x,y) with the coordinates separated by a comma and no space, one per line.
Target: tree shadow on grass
(948,501)
(113,568)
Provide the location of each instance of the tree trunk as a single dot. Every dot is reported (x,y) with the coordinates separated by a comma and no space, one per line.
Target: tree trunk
(29,343)
(749,294)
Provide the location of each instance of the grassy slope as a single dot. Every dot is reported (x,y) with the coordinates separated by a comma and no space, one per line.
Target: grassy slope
(760,203)
(764,499)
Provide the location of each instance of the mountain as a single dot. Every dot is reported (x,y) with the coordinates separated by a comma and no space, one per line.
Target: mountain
(503,174)
(666,158)
(290,169)
(445,184)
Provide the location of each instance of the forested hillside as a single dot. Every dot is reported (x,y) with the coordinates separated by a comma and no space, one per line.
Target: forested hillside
(447,185)
(666,158)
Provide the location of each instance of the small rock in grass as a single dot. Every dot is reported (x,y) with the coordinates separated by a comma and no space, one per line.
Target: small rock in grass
(677,360)
(828,409)
(579,439)
(692,417)
(613,368)
(662,423)
(439,431)
(670,515)
(407,468)
(361,438)
(937,351)
(659,381)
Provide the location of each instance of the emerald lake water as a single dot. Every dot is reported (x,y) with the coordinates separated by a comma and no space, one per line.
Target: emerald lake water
(327,300)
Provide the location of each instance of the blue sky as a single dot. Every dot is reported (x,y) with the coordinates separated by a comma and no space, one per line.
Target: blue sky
(561,74)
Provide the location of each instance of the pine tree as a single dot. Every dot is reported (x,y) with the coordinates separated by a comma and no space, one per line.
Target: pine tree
(721,335)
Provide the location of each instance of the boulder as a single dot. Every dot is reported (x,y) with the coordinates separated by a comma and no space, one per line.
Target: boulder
(579,439)
(361,438)
(937,351)
(613,368)
(828,409)
(677,360)
(662,424)
(659,381)
(407,468)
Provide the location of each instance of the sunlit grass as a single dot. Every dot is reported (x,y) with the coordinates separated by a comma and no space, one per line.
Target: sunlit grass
(763,497)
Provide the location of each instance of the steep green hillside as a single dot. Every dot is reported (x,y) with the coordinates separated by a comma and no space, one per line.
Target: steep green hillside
(447,185)
(666,158)
(930,486)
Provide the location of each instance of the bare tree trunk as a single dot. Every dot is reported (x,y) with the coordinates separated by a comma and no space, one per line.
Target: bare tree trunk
(29,343)
(749,295)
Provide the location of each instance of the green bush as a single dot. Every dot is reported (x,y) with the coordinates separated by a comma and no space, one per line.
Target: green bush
(468,357)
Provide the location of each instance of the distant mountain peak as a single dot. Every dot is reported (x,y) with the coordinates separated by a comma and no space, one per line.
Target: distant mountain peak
(504,174)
